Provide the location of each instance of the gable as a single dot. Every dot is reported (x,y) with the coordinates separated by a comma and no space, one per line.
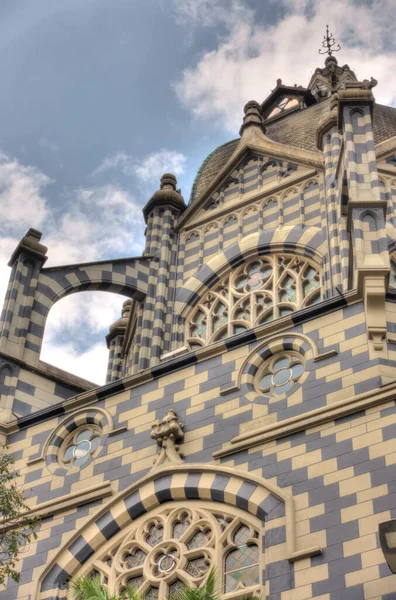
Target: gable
(256,174)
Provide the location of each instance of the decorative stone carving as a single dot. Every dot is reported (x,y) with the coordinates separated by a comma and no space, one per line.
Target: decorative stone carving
(167,432)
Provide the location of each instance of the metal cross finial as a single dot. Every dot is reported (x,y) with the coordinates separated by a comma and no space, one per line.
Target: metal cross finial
(329,43)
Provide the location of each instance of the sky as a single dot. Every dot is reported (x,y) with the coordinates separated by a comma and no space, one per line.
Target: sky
(98,98)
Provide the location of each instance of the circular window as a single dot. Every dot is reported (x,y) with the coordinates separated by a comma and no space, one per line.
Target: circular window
(77,440)
(280,373)
(80,445)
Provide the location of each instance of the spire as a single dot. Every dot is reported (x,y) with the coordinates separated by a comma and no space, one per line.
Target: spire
(329,43)
(326,81)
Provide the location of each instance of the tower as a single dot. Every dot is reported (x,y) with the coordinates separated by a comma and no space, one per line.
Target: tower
(248,419)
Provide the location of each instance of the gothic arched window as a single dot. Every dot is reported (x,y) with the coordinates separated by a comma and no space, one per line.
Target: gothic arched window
(178,546)
(259,291)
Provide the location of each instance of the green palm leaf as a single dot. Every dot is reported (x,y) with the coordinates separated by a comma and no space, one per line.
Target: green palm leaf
(90,588)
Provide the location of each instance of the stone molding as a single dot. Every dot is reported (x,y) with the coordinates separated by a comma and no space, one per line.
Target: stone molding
(187,482)
(275,431)
(64,503)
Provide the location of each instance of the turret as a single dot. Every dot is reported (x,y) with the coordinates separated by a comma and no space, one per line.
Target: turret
(154,315)
(115,341)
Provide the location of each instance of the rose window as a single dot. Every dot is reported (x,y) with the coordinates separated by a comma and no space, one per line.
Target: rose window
(259,291)
(177,548)
(280,373)
(80,445)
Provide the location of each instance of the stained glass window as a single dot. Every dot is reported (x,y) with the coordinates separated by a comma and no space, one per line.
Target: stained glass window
(155,535)
(257,292)
(280,374)
(80,445)
(178,548)
(241,564)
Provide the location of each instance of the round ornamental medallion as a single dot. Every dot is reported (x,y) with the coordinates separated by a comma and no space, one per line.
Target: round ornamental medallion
(166,563)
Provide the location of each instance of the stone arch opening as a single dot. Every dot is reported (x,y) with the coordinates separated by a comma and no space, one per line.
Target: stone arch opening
(220,486)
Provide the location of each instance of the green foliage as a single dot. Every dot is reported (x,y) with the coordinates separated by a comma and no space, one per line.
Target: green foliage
(90,588)
(207,591)
(16,525)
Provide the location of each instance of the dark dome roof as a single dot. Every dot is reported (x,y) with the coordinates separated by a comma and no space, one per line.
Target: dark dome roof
(297,130)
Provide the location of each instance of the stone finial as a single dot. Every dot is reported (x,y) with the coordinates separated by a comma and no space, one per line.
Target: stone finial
(167,432)
(30,245)
(252,116)
(166,196)
(119,326)
(168,182)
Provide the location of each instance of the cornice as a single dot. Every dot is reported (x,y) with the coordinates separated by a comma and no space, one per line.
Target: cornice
(175,364)
(275,431)
(384,148)
(67,502)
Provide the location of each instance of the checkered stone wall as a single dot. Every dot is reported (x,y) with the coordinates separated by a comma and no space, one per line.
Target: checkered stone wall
(315,464)
(310,466)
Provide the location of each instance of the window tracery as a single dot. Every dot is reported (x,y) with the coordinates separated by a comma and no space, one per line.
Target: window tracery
(258,292)
(178,547)
(80,445)
(280,372)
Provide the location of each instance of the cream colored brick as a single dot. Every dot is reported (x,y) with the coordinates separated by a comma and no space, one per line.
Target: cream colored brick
(382,422)
(352,432)
(373,557)
(370,494)
(306,459)
(383,448)
(338,476)
(370,524)
(360,340)
(301,593)
(368,542)
(390,459)
(356,512)
(350,486)
(334,339)
(385,585)
(308,513)
(343,394)
(357,577)
(311,575)
(322,468)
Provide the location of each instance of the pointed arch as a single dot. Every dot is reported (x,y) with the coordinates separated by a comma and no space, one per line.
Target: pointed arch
(308,242)
(185,482)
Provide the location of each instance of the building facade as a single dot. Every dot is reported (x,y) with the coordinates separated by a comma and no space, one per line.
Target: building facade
(248,420)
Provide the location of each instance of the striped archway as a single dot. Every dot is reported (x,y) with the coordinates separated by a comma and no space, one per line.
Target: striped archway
(177,483)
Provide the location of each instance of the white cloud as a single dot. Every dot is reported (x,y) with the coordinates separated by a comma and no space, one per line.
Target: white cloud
(21,199)
(210,13)
(251,56)
(91,364)
(98,222)
(155,165)
(121,160)
(77,318)
(92,224)
(150,168)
